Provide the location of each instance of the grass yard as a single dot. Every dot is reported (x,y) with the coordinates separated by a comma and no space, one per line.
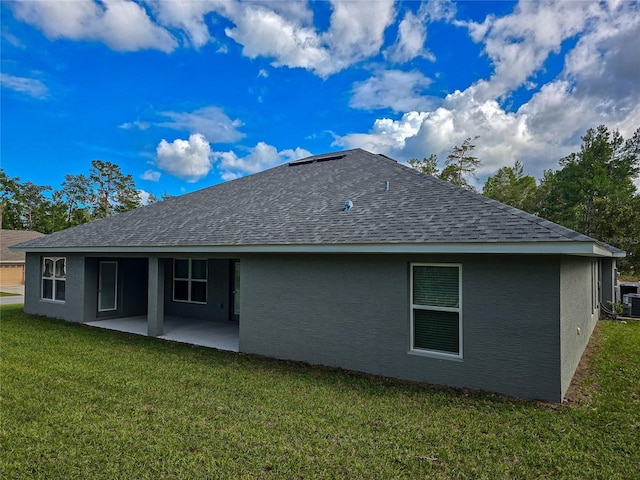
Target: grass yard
(7,294)
(84,403)
(630,277)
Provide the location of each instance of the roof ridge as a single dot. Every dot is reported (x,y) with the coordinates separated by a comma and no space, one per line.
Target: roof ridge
(317,156)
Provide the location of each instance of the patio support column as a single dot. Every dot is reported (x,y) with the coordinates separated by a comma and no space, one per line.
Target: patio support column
(155,308)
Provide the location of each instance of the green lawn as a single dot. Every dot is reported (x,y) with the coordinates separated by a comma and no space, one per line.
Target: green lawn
(7,294)
(84,403)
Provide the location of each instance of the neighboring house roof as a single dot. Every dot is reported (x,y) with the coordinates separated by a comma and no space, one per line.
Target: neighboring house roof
(300,207)
(9,238)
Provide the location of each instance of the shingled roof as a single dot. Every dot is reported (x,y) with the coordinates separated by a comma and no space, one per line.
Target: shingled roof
(303,204)
(9,238)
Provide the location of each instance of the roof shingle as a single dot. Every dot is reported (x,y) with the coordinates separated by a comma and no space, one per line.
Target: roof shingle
(9,238)
(302,203)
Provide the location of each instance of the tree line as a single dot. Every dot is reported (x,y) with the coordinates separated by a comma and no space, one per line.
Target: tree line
(592,192)
(80,199)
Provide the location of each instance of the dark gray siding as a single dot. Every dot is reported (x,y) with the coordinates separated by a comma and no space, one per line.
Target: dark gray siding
(217,307)
(133,282)
(353,312)
(576,312)
(72,309)
(90,289)
(132,288)
(81,303)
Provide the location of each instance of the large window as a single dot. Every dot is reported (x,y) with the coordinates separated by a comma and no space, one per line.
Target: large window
(190,280)
(54,278)
(436,309)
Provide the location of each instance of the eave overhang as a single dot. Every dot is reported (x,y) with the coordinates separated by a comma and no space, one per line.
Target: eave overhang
(589,249)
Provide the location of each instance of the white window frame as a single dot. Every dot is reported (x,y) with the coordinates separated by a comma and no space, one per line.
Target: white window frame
(191,280)
(414,307)
(54,280)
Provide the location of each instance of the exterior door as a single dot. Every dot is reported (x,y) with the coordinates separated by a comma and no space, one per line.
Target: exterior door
(108,287)
(234,303)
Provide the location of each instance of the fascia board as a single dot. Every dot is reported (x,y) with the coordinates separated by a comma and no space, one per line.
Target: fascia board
(512,248)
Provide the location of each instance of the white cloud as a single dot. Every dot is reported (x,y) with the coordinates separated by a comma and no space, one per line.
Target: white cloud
(187,16)
(12,39)
(504,136)
(282,31)
(412,31)
(121,24)
(395,89)
(263,73)
(186,159)
(539,133)
(605,63)
(29,86)
(600,84)
(439,10)
(260,157)
(144,197)
(137,124)
(263,32)
(387,135)
(297,12)
(151,175)
(211,121)
(355,33)
(357,29)
(518,44)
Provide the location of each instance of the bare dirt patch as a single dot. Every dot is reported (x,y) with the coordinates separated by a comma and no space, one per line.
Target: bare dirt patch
(585,382)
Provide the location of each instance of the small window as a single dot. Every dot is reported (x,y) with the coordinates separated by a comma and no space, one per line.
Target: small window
(190,280)
(54,278)
(436,312)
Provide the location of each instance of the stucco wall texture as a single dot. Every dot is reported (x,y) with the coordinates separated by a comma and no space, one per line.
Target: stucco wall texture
(353,312)
(520,313)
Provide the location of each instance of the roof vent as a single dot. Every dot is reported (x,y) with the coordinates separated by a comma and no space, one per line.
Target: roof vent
(317,158)
(348,205)
(388,158)
(386,185)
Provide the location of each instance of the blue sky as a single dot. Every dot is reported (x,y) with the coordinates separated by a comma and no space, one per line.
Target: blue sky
(183,95)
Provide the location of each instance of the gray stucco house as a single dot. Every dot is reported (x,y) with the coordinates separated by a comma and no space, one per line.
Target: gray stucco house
(350,260)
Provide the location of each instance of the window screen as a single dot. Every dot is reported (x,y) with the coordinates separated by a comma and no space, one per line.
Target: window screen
(436,314)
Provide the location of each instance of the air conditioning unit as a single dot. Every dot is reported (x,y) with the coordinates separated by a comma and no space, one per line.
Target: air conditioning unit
(631,304)
(629,287)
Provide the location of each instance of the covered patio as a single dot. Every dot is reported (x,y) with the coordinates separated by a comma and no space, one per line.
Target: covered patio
(220,335)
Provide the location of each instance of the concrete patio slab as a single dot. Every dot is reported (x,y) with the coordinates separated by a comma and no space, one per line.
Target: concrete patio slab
(220,335)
